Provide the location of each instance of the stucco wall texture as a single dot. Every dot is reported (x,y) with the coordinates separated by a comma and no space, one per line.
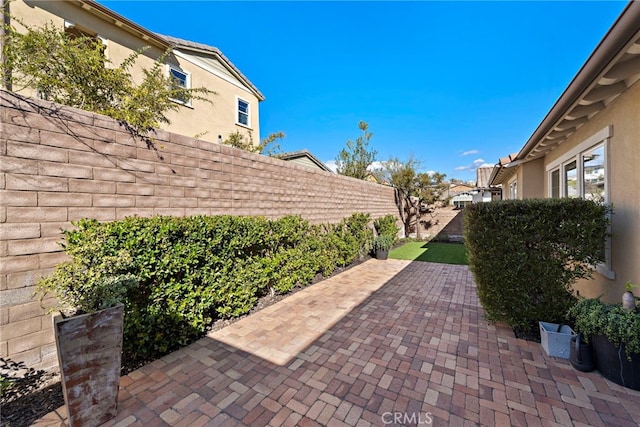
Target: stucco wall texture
(59,164)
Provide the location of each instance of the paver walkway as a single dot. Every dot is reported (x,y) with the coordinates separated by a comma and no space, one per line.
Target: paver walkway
(384,343)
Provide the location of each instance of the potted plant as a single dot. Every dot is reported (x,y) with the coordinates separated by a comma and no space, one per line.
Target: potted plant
(614,333)
(381,245)
(88,331)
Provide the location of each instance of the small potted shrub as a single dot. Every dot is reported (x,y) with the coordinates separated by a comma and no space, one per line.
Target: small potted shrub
(381,245)
(614,333)
(88,331)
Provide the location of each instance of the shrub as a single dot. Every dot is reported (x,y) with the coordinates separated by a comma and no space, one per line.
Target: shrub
(387,226)
(177,275)
(620,326)
(526,255)
(383,242)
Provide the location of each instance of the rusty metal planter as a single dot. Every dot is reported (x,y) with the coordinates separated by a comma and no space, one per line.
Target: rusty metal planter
(89,353)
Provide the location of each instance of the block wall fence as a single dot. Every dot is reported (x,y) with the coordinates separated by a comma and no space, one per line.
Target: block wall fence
(59,164)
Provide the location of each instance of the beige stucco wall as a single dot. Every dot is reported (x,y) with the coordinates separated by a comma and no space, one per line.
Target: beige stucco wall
(624,179)
(531,180)
(220,116)
(204,120)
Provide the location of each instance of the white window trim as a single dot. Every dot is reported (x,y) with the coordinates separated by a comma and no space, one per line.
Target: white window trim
(103,40)
(512,181)
(188,83)
(601,137)
(237,111)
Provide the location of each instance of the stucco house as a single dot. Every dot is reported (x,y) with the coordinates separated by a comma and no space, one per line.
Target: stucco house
(304,158)
(588,145)
(483,191)
(234,108)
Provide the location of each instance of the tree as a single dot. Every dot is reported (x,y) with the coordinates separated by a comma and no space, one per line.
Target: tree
(419,192)
(268,146)
(73,70)
(355,159)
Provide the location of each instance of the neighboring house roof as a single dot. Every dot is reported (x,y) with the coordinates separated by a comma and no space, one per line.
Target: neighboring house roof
(181,44)
(456,188)
(164,42)
(482,176)
(612,68)
(304,157)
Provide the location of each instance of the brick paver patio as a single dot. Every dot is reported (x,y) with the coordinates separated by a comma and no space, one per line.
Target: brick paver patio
(384,343)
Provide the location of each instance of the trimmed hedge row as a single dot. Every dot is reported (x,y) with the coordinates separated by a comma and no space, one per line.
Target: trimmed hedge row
(526,255)
(189,271)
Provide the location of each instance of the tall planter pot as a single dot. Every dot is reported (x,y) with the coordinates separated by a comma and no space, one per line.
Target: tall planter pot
(89,353)
(613,363)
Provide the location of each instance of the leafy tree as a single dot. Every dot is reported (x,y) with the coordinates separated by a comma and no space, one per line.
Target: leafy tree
(73,70)
(419,191)
(355,159)
(268,146)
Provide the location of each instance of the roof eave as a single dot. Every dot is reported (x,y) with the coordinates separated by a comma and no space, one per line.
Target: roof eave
(619,36)
(120,21)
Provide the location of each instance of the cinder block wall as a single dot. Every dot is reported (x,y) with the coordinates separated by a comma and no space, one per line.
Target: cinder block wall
(60,164)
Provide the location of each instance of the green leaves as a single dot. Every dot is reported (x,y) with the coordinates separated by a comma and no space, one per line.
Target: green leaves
(73,70)
(355,159)
(527,254)
(593,317)
(177,275)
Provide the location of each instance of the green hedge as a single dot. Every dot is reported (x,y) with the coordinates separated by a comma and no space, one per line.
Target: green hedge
(526,255)
(190,271)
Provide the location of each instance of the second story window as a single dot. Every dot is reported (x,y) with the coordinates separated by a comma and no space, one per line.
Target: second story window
(182,80)
(90,37)
(243,112)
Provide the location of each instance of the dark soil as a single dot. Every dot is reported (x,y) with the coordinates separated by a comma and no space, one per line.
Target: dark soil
(25,410)
(528,334)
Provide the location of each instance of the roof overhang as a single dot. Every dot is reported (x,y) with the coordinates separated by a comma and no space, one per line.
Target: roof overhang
(186,45)
(612,68)
(120,21)
(163,42)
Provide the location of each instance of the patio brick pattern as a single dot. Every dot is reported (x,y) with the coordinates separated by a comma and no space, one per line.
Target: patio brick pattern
(384,343)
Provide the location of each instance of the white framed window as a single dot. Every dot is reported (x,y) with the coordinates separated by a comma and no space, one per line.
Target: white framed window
(244,111)
(513,189)
(73,30)
(183,80)
(583,172)
(554,182)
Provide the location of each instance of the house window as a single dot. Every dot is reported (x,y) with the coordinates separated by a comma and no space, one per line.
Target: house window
(593,175)
(513,190)
(584,174)
(243,112)
(555,184)
(182,80)
(571,179)
(77,32)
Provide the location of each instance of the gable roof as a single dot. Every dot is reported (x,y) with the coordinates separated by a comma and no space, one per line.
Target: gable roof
(164,42)
(182,44)
(301,154)
(482,176)
(612,68)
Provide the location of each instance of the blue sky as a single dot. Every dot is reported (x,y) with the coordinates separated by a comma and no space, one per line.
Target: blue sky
(456,84)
